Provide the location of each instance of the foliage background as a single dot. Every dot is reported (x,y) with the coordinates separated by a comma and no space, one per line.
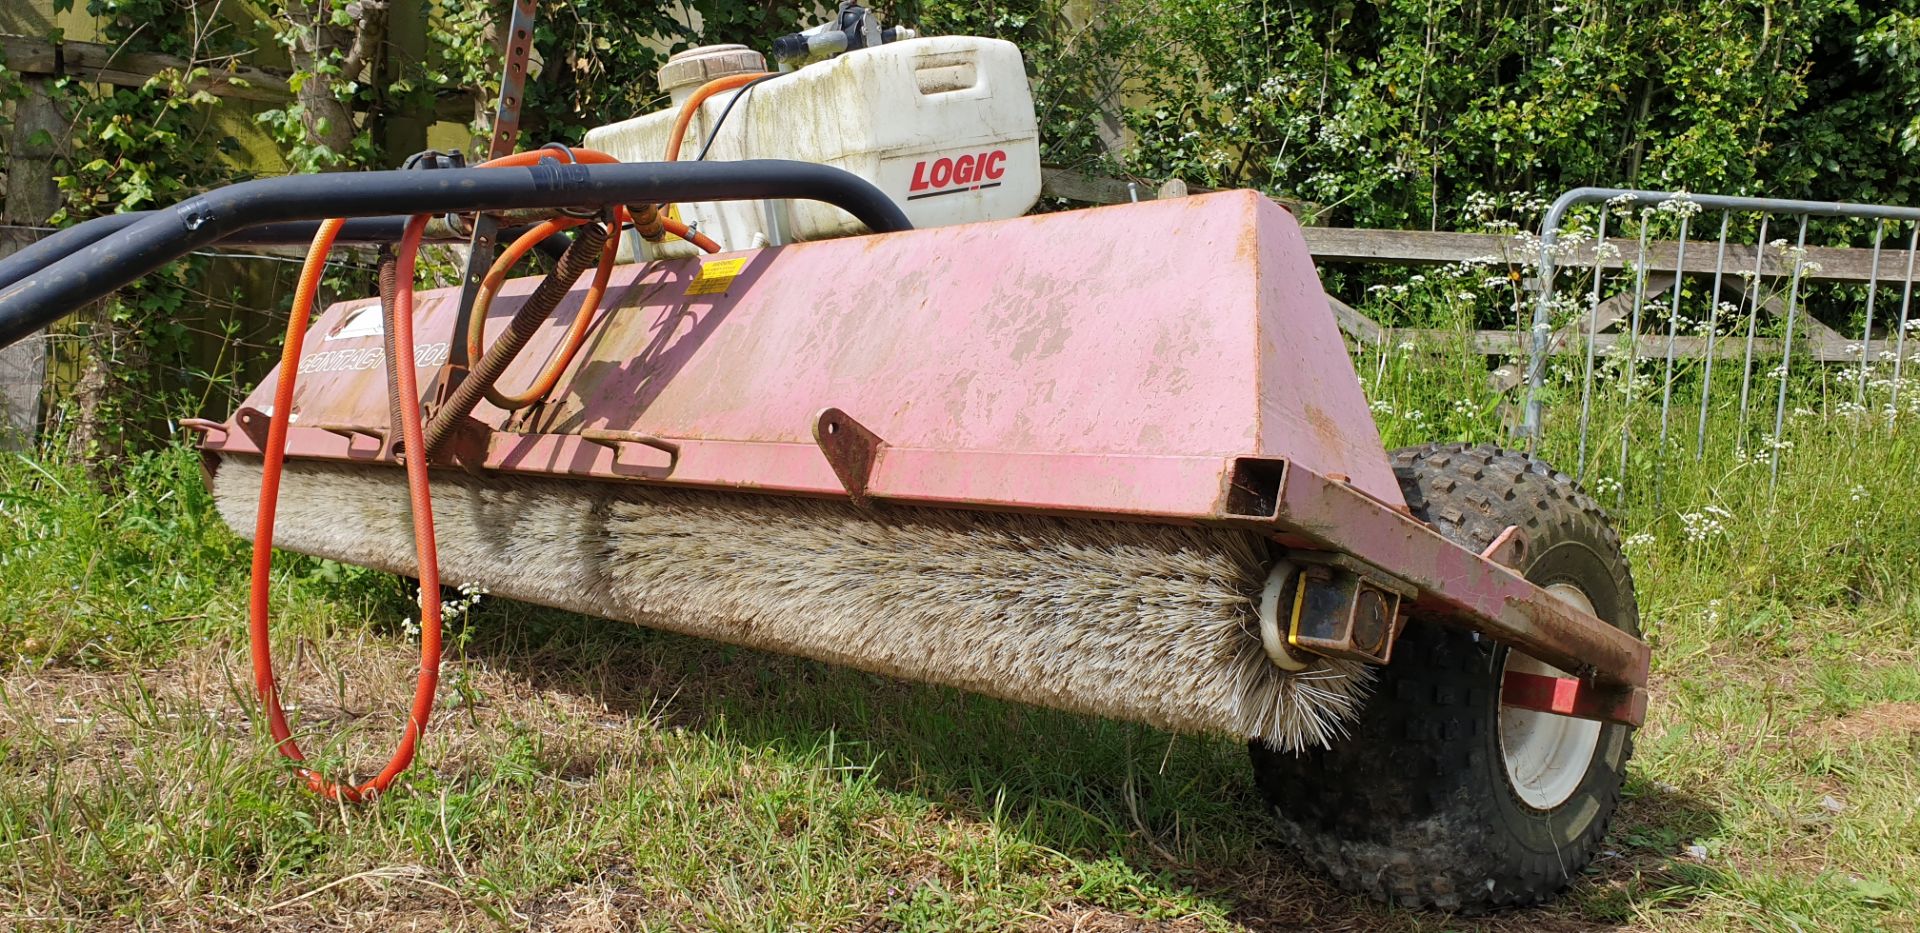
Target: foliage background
(1392,113)
(1396,112)
(1400,113)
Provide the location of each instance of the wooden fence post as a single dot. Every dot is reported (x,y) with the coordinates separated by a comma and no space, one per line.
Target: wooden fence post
(39,139)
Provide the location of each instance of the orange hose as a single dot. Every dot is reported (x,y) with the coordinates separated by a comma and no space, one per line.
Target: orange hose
(577,330)
(698,97)
(533,157)
(497,274)
(651,213)
(402,370)
(700,240)
(576,333)
(274,456)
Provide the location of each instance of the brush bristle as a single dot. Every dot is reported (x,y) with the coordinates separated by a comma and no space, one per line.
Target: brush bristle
(1144,622)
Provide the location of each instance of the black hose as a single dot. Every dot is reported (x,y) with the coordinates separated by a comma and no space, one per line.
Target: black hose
(380,231)
(721,121)
(373,230)
(376,230)
(62,243)
(118,258)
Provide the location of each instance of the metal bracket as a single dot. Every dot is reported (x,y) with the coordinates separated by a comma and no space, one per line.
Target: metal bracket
(1569,696)
(467,447)
(1345,608)
(1354,565)
(616,440)
(351,431)
(506,129)
(205,427)
(1509,549)
(513,80)
(1341,614)
(850,448)
(253,423)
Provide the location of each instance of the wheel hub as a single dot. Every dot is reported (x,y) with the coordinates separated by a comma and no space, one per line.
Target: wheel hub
(1546,755)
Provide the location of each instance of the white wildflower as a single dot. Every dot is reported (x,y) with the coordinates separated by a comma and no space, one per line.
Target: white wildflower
(1702,525)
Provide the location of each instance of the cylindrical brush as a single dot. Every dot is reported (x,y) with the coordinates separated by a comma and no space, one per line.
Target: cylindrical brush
(1137,621)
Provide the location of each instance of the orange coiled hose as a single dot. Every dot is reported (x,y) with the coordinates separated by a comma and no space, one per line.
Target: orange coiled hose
(576,337)
(582,321)
(576,332)
(401,368)
(400,363)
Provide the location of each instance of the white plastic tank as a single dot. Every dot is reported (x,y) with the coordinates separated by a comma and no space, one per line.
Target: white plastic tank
(943,125)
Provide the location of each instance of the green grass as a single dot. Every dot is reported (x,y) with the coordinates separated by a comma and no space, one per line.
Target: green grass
(589,775)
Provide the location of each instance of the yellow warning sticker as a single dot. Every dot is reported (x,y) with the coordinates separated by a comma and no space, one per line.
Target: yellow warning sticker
(714,277)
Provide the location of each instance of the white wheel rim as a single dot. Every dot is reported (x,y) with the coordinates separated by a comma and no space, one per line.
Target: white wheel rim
(1546,755)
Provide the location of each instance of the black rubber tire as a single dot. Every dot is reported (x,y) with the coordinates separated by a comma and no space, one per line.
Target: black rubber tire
(1415,806)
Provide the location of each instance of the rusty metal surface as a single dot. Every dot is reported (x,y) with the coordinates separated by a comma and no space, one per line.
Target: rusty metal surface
(850,448)
(1145,487)
(1568,696)
(1340,614)
(1509,549)
(1169,361)
(1458,585)
(516,50)
(617,441)
(1111,360)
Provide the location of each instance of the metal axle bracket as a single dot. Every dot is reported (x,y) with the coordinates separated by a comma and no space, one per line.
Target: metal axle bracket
(850,448)
(1568,696)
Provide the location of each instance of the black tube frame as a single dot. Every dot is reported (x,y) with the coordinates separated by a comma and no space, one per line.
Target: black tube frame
(62,243)
(131,249)
(362,230)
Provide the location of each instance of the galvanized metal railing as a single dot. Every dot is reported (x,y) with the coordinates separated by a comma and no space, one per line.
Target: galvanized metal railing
(1789,267)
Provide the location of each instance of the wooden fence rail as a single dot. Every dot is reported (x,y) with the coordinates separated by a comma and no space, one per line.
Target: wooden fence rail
(1345,245)
(228,78)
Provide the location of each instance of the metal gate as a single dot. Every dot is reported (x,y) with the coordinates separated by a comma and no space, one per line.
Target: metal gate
(1700,283)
